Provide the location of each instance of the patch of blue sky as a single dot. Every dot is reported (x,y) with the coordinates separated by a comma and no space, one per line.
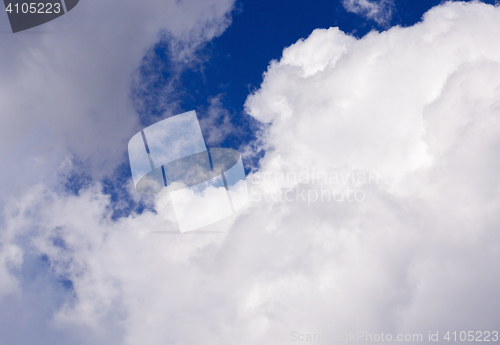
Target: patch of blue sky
(121,202)
(76,181)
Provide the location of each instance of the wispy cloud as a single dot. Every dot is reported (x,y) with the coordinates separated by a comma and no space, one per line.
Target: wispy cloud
(380,11)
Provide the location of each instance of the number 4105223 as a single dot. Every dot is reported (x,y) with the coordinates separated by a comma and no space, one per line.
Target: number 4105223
(34,7)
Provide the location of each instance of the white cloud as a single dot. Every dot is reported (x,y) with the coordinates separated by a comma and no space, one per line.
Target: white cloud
(217,123)
(65,92)
(379,11)
(417,106)
(68,91)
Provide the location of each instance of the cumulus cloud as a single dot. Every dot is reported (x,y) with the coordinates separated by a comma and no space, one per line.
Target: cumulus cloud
(380,11)
(375,207)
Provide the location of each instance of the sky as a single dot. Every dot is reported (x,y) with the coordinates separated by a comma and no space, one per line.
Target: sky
(370,136)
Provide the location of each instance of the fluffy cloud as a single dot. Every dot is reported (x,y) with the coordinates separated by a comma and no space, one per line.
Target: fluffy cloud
(402,125)
(65,94)
(379,11)
(65,86)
